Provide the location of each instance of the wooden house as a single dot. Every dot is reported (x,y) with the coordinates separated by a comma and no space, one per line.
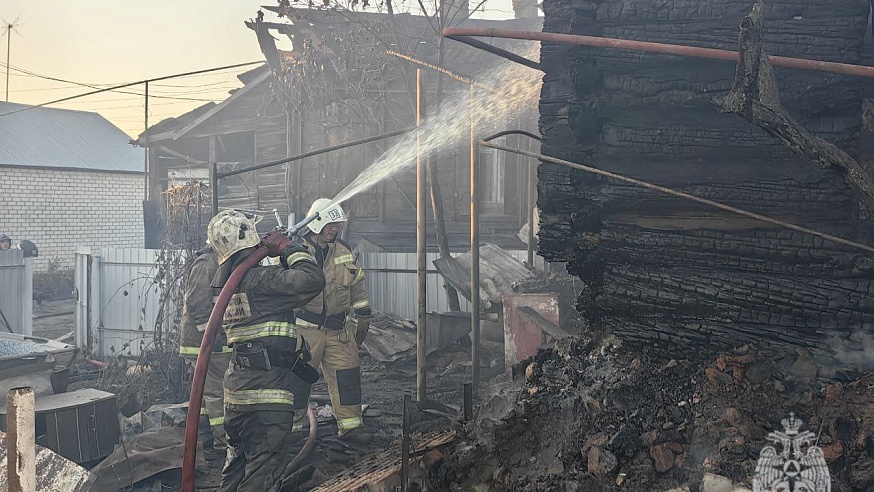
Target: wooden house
(661,269)
(256,124)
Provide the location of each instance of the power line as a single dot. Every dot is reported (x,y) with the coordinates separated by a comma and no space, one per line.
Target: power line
(93,86)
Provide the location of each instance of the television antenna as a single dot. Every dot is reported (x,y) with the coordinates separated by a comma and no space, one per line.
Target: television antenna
(7,29)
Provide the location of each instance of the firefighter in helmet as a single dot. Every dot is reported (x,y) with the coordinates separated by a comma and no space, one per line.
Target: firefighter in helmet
(5,242)
(337,320)
(196,308)
(268,364)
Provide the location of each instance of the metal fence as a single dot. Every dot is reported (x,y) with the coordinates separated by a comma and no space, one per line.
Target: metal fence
(118,298)
(16,292)
(392,287)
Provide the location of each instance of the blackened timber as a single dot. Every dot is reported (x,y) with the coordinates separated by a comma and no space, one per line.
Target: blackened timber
(755,97)
(659,269)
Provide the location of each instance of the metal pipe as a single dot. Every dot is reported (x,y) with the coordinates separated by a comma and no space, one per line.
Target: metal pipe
(312,153)
(468,402)
(680,194)
(532,197)
(476,43)
(474,248)
(511,132)
(421,263)
(214,187)
(405,442)
(647,47)
(20,440)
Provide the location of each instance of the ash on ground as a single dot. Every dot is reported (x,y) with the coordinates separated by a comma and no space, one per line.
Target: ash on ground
(610,418)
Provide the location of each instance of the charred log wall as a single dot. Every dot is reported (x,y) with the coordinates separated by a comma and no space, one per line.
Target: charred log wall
(659,268)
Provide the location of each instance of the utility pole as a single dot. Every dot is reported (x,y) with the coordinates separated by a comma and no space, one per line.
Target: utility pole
(8,52)
(146,147)
(8,28)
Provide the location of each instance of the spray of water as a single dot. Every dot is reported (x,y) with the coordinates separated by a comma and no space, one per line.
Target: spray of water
(514,88)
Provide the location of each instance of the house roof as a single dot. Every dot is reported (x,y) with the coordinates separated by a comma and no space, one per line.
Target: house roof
(317,23)
(173,128)
(63,138)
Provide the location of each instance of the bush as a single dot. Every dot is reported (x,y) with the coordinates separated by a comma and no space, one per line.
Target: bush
(53,284)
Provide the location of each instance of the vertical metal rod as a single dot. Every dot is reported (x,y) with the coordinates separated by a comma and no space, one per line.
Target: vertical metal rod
(421,263)
(468,402)
(405,443)
(213,185)
(532,202)
(213,176)
(146,155)
(26,287)
(8,52)
(474,247)
(21,440)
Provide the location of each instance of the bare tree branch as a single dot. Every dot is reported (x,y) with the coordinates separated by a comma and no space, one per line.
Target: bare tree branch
(430,22)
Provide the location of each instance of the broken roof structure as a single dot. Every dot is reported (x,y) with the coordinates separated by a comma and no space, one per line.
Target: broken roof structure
(254,126)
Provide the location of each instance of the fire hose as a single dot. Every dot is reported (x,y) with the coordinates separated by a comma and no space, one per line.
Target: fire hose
(189,455)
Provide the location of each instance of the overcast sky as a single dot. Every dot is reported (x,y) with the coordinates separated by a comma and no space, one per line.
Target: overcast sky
(103,42)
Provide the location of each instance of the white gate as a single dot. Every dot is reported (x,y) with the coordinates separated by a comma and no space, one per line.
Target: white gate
(118,301)
(16,292)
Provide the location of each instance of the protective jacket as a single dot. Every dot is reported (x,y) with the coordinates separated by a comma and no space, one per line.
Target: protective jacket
(346,290)
(261,315)
(326,325)
(198,303)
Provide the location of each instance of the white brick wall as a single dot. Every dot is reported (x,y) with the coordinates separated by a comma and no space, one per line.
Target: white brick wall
(60,210)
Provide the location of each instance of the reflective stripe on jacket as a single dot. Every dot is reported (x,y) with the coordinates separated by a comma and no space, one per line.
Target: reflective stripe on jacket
(262,310)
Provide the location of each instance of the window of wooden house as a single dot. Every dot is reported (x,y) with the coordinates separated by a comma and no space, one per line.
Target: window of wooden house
(492,178)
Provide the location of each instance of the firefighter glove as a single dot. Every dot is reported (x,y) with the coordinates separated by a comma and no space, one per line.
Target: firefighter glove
(275,242)
(361,329)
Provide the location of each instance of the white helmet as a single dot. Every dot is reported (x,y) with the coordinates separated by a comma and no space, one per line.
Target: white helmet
(231,231)
(327,216)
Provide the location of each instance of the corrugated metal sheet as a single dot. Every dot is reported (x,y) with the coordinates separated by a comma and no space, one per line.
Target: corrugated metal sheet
(62,138)
(11,291)
(395,293)
(128,300)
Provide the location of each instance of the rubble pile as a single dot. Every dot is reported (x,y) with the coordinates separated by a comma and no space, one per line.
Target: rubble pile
(608,419)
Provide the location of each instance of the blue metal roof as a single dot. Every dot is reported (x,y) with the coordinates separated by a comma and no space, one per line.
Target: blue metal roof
(64,138)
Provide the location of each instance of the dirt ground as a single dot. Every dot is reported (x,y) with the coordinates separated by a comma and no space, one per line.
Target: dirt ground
(54,319)
(384,386)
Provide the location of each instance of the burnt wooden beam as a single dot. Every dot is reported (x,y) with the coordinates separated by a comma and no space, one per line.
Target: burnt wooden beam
(754,96)
(549,327)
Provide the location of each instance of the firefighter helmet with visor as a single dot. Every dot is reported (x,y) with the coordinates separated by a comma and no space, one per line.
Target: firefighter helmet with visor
(231,231)
(327,214)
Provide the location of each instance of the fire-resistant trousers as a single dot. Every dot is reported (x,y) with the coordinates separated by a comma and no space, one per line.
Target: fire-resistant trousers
(336,354)
(260,445)
(213,406)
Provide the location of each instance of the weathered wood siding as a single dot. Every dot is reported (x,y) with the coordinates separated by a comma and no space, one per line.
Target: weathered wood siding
(664,269)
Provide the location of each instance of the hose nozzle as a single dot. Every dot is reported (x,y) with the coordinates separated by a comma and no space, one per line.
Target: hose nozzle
(296,229)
